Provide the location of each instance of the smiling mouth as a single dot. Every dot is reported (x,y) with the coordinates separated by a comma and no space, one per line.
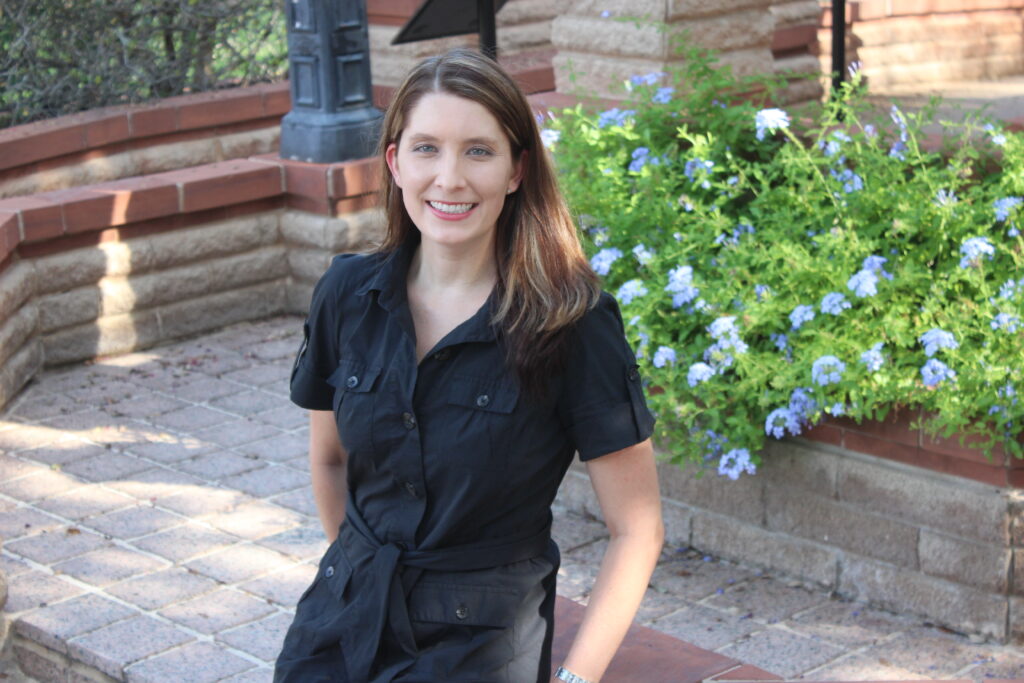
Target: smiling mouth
(451,208)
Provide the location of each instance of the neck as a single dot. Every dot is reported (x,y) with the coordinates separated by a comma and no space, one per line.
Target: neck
(466,267)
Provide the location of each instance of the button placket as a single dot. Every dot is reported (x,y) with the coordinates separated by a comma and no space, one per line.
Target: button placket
(461,612)
(408,421)
(483,400)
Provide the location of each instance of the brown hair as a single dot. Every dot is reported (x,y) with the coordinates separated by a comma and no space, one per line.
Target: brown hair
(545,283)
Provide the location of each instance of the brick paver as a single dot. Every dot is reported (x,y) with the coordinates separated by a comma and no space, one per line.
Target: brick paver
(158,525)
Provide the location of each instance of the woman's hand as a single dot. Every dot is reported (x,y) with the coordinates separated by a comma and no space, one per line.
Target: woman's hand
(327,469)
(626,483)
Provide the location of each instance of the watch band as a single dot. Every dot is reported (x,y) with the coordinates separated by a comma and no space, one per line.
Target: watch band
(564,674)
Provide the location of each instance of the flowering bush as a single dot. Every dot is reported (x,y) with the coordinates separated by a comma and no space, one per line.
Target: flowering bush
(770,277)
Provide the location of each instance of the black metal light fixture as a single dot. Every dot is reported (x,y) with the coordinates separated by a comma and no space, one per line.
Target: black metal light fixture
(838,44)
(332,117)
(444,18)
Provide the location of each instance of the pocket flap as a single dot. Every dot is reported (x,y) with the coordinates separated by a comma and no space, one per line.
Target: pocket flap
(354,376)
(489,396)
(335,570)
(460,604)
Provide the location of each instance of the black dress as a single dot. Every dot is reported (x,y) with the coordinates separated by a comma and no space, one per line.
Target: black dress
(444,569)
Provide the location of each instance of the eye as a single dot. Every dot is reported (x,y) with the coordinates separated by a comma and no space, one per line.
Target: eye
(478,152)
(424,148)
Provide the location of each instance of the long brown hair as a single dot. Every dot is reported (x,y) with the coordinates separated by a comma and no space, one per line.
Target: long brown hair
(545,283)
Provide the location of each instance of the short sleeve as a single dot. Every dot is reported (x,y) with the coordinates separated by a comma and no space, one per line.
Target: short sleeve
(319,353)
(602,400)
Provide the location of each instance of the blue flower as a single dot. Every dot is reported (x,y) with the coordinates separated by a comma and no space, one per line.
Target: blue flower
(643,254)
(645,339)
(875,264)
(898,150)
(724,327)
(732,180)
(640,157)
(834,303)
(720,354)
(781,341)
(1010,289)
(647,79)
(827,370)
(863,283)
(631,290)
(1005,205)
(801,405)
(693,166)
(998,139)
(836,409)
(605,14)
(850,180)
(1005,321)
(663,95)
(614,117)
(664,356)
(699,372)
(936,339)
(602,261)
(973,249)
(779,421)
(935,371)
(870,130)
(761,291)
(770,120)
(549,137)
(945,198)
(800,315)
(873,358)
(736,462)
(680,285)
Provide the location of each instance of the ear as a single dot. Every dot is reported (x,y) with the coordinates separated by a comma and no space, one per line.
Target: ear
(517,173)
(391,157)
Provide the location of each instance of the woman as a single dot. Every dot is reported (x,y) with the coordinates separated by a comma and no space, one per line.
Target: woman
(451,376)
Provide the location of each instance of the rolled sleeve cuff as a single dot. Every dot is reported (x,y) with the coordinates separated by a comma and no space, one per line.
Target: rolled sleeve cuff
(618,427)
(309,391)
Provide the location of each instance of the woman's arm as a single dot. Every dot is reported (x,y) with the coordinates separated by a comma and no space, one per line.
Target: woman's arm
(327,461)
(626,484)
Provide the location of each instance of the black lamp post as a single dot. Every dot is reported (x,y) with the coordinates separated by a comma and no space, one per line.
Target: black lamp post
(332,117)
(838,44)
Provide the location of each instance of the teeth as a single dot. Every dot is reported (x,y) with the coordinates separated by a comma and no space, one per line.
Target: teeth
(451,208)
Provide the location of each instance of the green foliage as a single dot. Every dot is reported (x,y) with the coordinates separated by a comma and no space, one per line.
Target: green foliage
(63,56)
(721,236)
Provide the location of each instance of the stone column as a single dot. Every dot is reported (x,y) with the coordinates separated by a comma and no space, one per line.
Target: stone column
(604,42)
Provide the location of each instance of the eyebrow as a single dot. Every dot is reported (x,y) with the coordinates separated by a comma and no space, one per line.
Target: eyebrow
(423,137)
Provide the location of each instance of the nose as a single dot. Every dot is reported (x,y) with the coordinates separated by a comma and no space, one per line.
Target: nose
(450,173)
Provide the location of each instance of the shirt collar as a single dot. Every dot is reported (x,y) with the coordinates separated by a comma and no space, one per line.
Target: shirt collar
(390,284)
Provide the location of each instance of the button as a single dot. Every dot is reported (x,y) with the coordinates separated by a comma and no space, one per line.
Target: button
(411,488)
(408,420)
(352,382)
(443,354)
(329,572)
(634,374)
(461,612)
(482,400)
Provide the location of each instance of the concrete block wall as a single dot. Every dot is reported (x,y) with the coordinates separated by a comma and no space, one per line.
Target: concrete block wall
(909,43)
(895,535)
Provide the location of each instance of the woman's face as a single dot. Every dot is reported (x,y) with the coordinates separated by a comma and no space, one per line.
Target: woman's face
(455,167)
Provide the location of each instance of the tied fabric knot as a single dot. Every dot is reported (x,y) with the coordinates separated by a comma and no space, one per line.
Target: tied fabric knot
(396,570)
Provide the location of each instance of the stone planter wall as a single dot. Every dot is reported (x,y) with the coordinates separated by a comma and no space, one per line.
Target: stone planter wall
(910,43)
(897,536)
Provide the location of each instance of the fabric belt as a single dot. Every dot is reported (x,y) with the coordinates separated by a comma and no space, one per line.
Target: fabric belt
(386,597)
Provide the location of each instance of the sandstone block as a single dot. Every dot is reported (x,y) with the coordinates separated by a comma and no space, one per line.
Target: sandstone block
(104,336)
(173,156)
(984,566)
(743,499)
(576,33)
(124,295)
(250,143)
(526,11)
(841,525)
(349,232)
(903,590)
(800,467)
(221,309)
(1016,619)
(577,494)
(678,523)
(651,10)
(944,503)
(796,13)
(222,238)
(741,30)
(16,285)
(308,264)
(305,229)
(685,9)
(39,662)
(752,544)
(16,371)
(268,263)
(299,294)
(57,311)
(16,330)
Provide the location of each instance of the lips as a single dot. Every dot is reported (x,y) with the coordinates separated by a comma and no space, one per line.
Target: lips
(452,209)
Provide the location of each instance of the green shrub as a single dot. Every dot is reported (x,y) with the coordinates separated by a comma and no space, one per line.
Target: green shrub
(62,56)
(769,279)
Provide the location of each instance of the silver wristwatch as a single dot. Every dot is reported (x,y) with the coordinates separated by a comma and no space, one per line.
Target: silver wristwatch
(564,674)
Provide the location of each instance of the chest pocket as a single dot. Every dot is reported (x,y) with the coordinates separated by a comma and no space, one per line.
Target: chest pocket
(355,386)
(480,423)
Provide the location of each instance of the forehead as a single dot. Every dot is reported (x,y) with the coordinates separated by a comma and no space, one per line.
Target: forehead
(441,115)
